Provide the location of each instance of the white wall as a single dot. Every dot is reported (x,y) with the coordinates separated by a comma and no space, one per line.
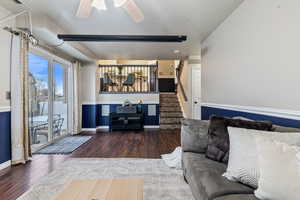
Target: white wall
(187,85)
(133,98)
(252,59)
(4,61)
(89,84)
(166,69)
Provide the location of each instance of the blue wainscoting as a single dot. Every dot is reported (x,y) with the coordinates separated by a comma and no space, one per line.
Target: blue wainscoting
(209,111)
(5,141)
(92,115)
(89,113)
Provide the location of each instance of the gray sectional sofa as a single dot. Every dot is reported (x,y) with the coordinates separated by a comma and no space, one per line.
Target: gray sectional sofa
(204,175)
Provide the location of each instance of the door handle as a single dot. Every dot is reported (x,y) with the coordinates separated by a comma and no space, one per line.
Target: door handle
(195,102)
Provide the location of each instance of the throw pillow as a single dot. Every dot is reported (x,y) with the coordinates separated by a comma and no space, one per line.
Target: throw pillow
(279,170)
(243,162)
(194,136)
(218,138)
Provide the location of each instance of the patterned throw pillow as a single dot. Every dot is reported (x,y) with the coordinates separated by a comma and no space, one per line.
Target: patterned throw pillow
(218,138)
(243,154)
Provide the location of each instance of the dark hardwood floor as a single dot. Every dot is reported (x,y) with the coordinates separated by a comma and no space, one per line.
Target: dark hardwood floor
(147,144)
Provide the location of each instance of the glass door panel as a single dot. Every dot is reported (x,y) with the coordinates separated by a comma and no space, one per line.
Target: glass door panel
(38,81)
(48,100)
(60,101)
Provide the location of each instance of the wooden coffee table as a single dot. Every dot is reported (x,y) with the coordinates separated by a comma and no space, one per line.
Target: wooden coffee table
(103,189)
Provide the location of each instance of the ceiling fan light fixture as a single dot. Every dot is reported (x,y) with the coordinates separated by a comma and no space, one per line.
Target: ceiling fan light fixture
(119,3)
(99,4)
(132,9)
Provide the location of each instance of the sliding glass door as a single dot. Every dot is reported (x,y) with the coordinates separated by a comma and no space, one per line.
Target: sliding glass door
(38,83)
(60,100)
(48,95)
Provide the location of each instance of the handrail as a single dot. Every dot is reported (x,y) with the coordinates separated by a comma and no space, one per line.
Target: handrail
(180,68)
(128,65)
(178,74)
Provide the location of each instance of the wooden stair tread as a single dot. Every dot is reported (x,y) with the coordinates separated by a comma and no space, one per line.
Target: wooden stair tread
(170,112)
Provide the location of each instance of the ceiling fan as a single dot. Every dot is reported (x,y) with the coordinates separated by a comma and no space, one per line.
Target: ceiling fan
(86,6)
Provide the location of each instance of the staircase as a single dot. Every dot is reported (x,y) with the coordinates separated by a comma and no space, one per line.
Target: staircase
(170,111)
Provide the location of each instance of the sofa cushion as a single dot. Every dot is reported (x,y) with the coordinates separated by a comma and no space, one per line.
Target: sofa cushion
(205,178)
(194,135)
(237,197)
(218,138)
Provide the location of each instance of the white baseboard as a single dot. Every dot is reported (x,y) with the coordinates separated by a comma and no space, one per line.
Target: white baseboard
(107,127)
(102,127)
(151,127)
(88,129)
(5,165)
(288,114)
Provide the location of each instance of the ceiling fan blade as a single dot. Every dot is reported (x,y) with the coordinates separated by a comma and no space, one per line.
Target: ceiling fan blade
(119,3)
(84,9)
(99,4)
(133,11)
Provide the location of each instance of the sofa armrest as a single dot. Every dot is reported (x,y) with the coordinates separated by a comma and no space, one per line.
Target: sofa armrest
(194,135)
(284,129)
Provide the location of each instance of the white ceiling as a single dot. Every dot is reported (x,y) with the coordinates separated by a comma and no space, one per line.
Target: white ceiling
(194,18)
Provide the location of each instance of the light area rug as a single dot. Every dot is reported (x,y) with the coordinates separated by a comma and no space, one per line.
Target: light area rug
(160,182)
(65,145)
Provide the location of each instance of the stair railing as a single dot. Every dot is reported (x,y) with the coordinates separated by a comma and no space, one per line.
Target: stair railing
(179,83)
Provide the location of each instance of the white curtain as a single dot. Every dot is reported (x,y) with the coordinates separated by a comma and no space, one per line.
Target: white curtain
(20,139)
(77,101)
